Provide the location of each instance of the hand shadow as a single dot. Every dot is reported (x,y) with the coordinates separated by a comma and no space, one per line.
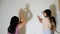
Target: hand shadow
(53,9)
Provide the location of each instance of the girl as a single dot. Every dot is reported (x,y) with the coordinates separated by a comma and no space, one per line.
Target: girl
(15,24)
(46,21)
(53,24)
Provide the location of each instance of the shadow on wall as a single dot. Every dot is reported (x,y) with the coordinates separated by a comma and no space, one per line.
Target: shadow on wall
(28,15)
(53,9)
(59,4)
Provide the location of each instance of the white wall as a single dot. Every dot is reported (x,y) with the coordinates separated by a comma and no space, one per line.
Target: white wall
(10,8)
(58,17)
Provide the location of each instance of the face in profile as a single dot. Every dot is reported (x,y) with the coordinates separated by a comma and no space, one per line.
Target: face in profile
(44,14)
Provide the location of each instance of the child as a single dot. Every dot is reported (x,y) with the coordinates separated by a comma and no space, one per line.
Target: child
(46,21)
(16,24)
(53,24)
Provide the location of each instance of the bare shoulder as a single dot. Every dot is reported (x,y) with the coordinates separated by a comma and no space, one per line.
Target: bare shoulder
(47,19)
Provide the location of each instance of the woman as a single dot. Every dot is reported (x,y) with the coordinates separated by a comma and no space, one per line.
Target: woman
(46,21)
(53,24)
(16,24)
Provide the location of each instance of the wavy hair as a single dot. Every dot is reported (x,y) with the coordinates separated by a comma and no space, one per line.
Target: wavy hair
(13,23)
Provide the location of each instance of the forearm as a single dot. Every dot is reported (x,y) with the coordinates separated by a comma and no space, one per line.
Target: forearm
(22,22)
(39,19)
(21,25)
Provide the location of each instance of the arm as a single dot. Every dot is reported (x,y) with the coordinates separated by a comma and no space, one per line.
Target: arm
(21,19)
(39,19)
(23,23)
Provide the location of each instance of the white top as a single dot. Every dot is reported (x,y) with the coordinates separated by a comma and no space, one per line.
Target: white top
(46,23)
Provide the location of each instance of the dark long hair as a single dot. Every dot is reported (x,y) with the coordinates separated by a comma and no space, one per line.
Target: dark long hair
(54,20)
(48,12)
(13,23)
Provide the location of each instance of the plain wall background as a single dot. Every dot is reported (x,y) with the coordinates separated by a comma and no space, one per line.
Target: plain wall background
(58,16)
(9,8)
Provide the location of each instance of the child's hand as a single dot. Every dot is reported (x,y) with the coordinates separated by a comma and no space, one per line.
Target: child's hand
(39,18)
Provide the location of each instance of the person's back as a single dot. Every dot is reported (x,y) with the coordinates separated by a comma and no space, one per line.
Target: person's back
(13,27)
(16,32)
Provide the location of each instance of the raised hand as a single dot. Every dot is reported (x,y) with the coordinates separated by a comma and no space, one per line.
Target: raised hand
(39,19)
